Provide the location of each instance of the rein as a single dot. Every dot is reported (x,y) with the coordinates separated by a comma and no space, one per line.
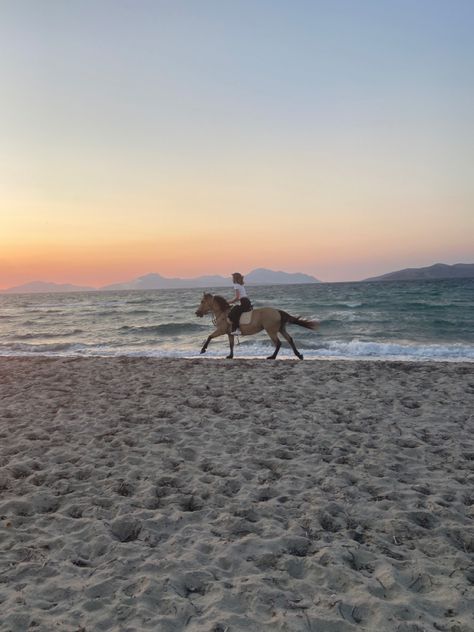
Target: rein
(214,315)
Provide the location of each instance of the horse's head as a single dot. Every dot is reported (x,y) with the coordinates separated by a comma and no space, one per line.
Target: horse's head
(205,306)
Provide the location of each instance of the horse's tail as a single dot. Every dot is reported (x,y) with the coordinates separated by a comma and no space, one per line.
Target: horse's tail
(296,320)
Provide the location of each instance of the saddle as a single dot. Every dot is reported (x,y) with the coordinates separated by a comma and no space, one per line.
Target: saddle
(245,318)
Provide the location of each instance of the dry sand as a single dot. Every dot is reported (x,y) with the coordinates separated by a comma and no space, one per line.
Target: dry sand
(168,495)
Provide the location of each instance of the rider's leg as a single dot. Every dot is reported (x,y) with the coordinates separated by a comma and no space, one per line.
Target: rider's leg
(234,316)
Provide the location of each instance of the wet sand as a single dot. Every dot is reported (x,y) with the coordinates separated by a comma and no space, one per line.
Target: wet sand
(223,496)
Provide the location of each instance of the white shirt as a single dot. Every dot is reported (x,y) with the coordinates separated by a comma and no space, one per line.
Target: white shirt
(241,290)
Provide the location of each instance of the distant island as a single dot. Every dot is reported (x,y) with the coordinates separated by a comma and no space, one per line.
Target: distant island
(43,287)
(153,281)
(438,271)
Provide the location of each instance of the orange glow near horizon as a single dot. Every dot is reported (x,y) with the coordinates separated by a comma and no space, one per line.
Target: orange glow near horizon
(327,251)
(332,235)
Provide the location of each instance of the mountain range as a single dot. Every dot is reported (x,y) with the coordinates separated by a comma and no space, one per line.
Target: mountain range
(438,271)
(260,276)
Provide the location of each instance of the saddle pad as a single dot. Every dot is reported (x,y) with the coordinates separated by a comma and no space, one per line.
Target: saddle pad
(246,318)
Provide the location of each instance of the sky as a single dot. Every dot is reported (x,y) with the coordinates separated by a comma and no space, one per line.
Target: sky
(197,137)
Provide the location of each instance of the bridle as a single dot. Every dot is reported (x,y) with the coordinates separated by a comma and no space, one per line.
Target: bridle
(212,310)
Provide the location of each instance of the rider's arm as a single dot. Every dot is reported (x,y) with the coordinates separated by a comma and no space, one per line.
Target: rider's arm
(236,297)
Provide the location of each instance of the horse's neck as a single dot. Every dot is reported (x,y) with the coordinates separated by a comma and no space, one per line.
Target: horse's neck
(218,312)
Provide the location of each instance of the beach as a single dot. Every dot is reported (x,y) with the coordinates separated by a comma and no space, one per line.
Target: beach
(221,496)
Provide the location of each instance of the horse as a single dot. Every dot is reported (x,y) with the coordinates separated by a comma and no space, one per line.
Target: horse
(273,321)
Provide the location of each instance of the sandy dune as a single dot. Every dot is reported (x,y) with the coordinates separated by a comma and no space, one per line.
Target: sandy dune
(168,495)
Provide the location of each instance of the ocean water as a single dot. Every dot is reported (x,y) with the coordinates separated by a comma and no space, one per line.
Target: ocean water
(409,320)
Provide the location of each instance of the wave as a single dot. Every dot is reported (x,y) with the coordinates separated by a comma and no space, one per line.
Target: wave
(343,305)
(105,312)
(350,316)
(46,348)
(392,350)
(45,311)
(340,317)
(60,334)
(165,328)
(331,350)
(141,301)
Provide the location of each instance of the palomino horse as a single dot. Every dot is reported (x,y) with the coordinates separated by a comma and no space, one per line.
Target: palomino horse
(274,322)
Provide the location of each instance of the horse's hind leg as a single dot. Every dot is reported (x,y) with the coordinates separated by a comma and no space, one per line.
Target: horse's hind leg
(289,339)
(276,342)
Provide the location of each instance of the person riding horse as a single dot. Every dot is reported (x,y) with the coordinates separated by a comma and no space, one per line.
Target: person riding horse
(245,304)
(273,321)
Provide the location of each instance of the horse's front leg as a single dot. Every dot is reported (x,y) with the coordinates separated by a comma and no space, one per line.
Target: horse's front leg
(231,345)
(209,338)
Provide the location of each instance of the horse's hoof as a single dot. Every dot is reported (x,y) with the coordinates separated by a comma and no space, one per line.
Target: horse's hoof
(229,357)
(202,351)
(300,356)
(270,357)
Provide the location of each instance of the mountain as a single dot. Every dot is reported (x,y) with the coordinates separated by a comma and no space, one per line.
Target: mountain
(260,276)
(152,281)
(43,287)
(157,282)
(436,271)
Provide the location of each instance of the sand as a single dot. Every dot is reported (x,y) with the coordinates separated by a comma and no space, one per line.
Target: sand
(205,495)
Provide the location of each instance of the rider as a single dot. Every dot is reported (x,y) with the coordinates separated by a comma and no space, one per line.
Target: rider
(240,296)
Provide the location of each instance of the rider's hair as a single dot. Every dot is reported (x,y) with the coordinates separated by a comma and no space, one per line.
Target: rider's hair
(237,278)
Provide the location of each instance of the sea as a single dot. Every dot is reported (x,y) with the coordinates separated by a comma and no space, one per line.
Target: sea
(406,320)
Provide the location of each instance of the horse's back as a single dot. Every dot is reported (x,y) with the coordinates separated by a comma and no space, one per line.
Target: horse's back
(267,315)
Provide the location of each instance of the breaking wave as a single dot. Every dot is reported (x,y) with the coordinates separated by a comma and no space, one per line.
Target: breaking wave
(353,350)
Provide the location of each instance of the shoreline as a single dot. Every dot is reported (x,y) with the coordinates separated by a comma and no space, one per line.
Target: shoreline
(214,358)
(195,494)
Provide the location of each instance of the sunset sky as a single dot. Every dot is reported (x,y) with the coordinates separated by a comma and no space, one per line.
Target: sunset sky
(194,137)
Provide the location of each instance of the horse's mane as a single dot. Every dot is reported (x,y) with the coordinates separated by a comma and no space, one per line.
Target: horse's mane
(221,301)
